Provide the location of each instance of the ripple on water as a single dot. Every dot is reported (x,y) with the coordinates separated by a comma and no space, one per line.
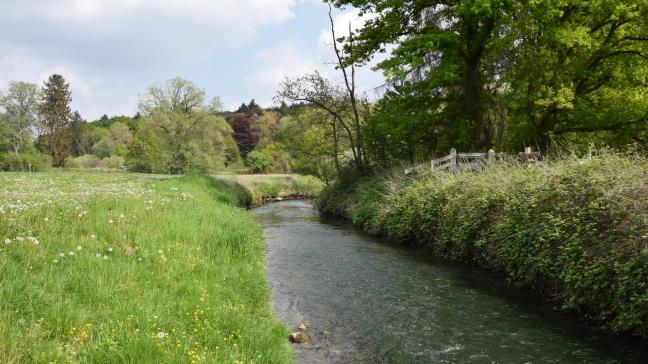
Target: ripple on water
(370,302)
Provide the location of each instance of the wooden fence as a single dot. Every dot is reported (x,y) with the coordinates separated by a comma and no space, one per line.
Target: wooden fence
(475,162)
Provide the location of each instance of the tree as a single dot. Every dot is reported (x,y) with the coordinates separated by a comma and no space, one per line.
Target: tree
(579,67)
(318,91)
(178,133)
(245,134)
(117,142)
(78,135)
(216,105)
(20,106)
(175,95)
(55,114)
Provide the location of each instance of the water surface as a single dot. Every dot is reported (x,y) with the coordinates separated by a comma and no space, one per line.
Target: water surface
(366,301)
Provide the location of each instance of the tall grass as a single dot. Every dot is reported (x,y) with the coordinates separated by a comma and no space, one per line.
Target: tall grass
(116,268)
(576,231)
(264,187)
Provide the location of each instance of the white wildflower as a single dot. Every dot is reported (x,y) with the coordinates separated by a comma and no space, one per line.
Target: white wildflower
(79,247)
(105,257)
(121,216)
(98,255)
(160,335)
(93,236)
(46,219)
(20,238)
(160,251)
(110,250)
(62,255)
(71,253)
(55,261)
(7,241)
(110,221)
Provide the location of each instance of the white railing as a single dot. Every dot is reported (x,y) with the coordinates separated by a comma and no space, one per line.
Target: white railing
(469,161)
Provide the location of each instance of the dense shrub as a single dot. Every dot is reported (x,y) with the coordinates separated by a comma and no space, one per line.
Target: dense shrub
(23,162)
(575,231)
(91,161)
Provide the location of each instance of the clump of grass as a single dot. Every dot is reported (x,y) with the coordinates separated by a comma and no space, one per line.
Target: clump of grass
(264,187)
(113,268)
(576,231)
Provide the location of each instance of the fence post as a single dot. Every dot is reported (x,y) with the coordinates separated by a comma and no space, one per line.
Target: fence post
(453,161)
(491,156)
(432,163)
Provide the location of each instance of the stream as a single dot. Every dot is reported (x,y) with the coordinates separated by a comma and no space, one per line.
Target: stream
(366,301)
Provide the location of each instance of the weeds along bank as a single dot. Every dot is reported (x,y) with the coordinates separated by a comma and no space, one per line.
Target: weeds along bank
(574,231)
(114,268)
(268,187)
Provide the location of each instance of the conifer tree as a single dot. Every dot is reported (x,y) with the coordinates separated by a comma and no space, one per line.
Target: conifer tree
(56,117)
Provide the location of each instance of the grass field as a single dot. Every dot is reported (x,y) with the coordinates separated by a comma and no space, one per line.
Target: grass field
(122,268)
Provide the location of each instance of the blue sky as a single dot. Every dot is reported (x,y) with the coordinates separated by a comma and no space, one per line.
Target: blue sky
(110,51)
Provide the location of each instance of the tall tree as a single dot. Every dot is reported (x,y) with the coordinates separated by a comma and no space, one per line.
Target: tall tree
(175,95)
(56,115)
(442,55)
(20,106)
(78,135)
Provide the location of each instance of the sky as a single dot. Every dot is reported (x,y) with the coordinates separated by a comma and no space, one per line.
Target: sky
(110,51)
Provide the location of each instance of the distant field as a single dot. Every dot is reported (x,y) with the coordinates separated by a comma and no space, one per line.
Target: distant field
(114,268)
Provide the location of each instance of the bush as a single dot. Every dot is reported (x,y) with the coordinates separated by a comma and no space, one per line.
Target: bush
(88,161)
(27,162)
(91,161)
(574,231)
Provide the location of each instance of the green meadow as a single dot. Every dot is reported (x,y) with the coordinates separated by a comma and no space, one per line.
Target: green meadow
(119,268)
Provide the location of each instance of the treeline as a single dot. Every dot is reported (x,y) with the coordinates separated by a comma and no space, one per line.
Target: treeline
(481,74)
(174,131)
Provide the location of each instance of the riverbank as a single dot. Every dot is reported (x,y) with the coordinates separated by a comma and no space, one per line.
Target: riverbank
(574,231)
(128,268)
(265,188)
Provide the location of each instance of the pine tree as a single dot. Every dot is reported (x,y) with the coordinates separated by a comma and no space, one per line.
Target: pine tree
(77,135)
(56,116)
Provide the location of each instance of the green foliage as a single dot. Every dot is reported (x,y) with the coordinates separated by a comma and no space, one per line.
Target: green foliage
(575,231)
(56,115)
(24,162)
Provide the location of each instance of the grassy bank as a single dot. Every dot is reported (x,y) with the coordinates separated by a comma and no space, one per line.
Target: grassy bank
(266,187)
(574,231)
(115,268)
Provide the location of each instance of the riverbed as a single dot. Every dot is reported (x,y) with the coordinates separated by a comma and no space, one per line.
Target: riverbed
(367,301)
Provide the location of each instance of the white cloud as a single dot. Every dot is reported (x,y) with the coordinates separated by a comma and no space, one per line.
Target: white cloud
(275,63)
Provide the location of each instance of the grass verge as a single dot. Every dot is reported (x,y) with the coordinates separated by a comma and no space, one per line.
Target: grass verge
(116,268)
(575,231)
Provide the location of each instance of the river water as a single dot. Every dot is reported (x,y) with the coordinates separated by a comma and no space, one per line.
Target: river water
(365,301)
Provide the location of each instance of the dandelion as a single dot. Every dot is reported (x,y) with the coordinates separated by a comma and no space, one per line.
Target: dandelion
(55,261)
(110,221)
(93,236)
(160,251)
(121,216)
(160,335)
(110,250)
(163,258)
(7,241)
(79,247)
(98,255)
(71,253)
(62,255)
(46,219)
(105,257)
